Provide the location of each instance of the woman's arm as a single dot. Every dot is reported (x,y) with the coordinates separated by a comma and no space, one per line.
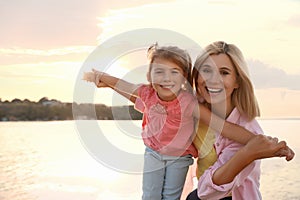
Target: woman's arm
(234,165)
(268,147)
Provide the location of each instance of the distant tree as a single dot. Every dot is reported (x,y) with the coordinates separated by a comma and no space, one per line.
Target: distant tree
(27,110)
(27,101)
(42,100)
(16,101)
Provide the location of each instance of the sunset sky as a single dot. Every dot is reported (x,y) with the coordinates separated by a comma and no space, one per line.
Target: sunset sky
(43,44)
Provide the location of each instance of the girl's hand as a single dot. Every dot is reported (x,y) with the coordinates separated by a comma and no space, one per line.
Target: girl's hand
(95,77)
(98,76)
(89,76)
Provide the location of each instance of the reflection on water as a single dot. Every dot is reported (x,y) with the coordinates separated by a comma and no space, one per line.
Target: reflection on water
(46,161)
(18,164)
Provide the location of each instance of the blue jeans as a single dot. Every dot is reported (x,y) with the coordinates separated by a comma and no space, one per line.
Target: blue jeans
(164,176)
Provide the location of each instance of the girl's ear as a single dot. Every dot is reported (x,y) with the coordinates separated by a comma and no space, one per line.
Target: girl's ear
(148,77)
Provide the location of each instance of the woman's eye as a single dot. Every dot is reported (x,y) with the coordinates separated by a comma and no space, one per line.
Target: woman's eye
(224,72)
(175,72)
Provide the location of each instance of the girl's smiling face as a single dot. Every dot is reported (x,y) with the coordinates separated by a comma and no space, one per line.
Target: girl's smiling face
(217,80)
(166,78)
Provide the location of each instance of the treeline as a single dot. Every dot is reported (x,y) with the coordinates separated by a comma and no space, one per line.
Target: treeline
(48,110)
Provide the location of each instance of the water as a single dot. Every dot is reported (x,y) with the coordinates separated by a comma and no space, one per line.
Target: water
(47,160)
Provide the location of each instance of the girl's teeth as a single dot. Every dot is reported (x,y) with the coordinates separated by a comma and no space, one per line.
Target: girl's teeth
(167,86)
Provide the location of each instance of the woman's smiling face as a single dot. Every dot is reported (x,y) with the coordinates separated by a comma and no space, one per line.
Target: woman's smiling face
(217,80)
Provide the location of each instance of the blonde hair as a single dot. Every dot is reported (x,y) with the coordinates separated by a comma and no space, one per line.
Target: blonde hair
(243,97)
(173,54)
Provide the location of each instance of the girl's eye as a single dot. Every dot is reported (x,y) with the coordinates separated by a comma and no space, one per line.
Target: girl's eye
(175,71)
(158,72)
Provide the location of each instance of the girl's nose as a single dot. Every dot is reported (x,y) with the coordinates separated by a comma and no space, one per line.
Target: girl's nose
(167,76)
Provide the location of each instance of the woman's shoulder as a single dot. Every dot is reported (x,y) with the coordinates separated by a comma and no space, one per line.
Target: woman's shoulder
(252,125)
(255,126)
(249,124)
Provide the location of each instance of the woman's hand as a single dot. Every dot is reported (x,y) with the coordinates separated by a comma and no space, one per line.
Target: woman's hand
(261,146)
(286,152)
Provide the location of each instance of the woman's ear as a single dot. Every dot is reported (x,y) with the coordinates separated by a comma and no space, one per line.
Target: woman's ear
(237,85)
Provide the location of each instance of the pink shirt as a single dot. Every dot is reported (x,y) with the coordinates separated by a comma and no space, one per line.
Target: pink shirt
(168,126)
(246,183)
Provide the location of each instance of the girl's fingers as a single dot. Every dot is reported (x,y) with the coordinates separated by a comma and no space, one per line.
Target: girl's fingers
(89,76)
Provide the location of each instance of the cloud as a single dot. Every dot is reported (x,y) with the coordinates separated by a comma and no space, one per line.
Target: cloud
(21,73)
(294,20)
(12,56)
(265,76)
(35,23)
(53,23)
(49,52)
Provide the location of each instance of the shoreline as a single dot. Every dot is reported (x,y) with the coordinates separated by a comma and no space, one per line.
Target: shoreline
(262,118)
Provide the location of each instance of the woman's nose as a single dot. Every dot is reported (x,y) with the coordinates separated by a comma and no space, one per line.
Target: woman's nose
(215,77)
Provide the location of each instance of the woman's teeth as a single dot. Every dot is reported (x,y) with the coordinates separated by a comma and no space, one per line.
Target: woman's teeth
(214,90)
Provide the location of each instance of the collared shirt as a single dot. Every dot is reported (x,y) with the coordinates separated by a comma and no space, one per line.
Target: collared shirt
(246,183)
(168,126)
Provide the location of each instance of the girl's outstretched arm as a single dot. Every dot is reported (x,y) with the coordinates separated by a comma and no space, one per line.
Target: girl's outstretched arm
(124,94)
(115,83)
(233,131)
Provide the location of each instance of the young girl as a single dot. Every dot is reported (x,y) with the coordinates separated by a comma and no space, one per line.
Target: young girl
(221,79)
(169,110)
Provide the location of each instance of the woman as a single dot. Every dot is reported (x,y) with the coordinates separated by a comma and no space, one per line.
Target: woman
(221,78)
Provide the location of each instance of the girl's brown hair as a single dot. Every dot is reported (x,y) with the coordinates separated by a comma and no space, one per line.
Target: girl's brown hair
(174,54)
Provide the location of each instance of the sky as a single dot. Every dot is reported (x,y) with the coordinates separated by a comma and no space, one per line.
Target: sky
(44,44)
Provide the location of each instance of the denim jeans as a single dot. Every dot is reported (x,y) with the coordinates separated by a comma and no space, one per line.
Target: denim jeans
(164,176)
